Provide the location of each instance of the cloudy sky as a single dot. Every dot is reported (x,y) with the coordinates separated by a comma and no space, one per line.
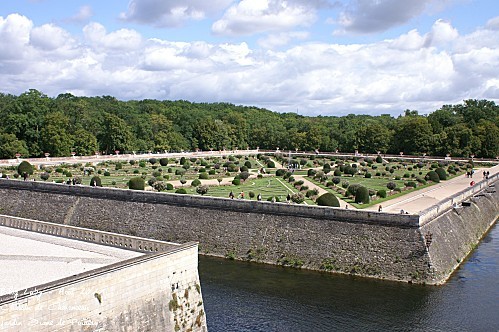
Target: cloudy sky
(314,57)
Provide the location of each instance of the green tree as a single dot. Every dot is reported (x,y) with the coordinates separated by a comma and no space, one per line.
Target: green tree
(116,134)
(55,137)
(10,146)
(85,143)
(412,135)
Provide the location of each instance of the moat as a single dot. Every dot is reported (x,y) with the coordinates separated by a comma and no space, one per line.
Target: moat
(251,297)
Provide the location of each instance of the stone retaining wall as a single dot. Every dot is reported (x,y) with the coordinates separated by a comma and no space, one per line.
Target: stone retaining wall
(380,245)
(155,292)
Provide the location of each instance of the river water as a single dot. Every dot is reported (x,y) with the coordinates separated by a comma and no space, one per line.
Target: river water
(242,296)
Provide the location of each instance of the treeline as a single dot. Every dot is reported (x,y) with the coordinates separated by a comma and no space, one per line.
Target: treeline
(34,124)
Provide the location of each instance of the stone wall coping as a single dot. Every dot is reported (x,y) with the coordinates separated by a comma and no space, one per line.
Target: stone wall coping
(126,242)
(96,273)
(249,206)
(433,211)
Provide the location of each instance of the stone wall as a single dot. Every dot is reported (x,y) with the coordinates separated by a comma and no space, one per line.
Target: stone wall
(451,236)
(380,245)
(155,292)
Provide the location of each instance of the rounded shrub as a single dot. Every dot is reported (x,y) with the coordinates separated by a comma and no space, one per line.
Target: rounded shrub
(432,176)
(95,182)
(381,193)
(362,195)
(298,198)
(25,167)
(195,183)
(311,172)
(368,175)
(391,185)
(118,166)
(169,186)
(153,161)
(156,174)
(280,172)
(236,182)
(270,164)
(328,199)
(337,172)
(379,160)
(106,173)
(44,176)
(181,191)
(202,190)
(204,176)
(352,189)
(159,186)
(442,174)
(163,161)
(131,162)
(136,183)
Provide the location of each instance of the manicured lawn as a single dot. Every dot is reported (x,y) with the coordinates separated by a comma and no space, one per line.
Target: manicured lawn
(268,187)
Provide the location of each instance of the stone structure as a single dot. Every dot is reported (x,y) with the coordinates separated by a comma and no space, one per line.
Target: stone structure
(158,291)
(380,245)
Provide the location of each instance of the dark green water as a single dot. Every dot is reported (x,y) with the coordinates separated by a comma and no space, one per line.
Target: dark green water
(251,297)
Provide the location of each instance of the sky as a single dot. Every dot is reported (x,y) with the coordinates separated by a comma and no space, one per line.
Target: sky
(311,57)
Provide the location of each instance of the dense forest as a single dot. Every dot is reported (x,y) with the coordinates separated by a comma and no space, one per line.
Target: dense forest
(34,124)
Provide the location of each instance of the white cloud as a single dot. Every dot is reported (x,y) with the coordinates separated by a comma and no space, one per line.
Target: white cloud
(123,39)
(171,13)
(49,37)
(14,35)
(83,15)
(441,33)
(369,16)
(493,23)
(316,78)
(257,16)
(280,39)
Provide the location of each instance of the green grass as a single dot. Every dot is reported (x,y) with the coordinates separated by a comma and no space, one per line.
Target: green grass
(268,187)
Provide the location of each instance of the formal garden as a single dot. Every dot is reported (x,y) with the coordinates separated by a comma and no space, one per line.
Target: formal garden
(359,181)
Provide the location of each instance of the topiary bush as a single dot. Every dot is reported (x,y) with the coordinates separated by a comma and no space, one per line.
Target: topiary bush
(204,176)
(169,186)
(280,172)
(381,193)
(298,198)
(159,186)
(362,195)
(44,176)
(195,183)
(368,175)
(352,189)
(95,182)
(136,183)
(236,182)
(328,199)
(391,185)
(432,176)
(202,190)
(442,175)
(25,167)
(379,160)
(181,191)
(163,161)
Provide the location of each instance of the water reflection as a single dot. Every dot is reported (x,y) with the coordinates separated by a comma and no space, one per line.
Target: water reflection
(253,297)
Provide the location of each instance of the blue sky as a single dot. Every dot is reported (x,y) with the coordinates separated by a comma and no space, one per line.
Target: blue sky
(328,57)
